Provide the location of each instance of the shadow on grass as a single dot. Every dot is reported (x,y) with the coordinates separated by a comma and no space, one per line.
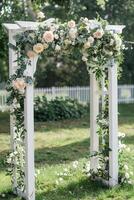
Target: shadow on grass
(85,189)
(74,191)
(61,154)
(129,139)
(55,155)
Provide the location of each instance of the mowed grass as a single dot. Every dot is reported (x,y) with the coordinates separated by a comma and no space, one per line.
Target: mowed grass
(58,144)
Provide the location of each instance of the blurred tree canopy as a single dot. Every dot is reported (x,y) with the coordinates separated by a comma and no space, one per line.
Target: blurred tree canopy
(63,71)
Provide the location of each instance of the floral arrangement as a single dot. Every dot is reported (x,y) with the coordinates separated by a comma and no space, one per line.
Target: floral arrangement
(93,43)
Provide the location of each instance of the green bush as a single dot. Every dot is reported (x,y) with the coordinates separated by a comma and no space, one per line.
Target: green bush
(58,109)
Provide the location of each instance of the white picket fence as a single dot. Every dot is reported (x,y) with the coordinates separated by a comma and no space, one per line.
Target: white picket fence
(82,94)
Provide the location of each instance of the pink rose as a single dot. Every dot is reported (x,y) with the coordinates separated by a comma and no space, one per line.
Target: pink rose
(71,24)
(31,54)
(19,84)
(48,36)
(98,34)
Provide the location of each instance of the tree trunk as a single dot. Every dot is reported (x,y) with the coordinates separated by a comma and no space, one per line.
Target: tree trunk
(29,8)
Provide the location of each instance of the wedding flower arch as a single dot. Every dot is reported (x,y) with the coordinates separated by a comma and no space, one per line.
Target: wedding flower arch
(99,45)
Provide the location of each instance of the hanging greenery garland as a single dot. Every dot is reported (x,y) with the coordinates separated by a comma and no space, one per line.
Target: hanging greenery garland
(91,40)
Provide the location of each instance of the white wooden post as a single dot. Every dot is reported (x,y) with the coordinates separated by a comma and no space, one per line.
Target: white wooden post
(113,124)
(29,140)
(94,110)
(12,58)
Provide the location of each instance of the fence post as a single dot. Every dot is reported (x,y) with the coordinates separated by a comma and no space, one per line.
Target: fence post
(113,124)
(53,91)
(94,110)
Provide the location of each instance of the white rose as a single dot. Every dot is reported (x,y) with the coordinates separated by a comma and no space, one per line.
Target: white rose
(91,39)
(71,24)
(73,33)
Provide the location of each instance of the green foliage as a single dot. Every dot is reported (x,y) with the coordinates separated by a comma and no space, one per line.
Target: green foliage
(58,109)
(116,12)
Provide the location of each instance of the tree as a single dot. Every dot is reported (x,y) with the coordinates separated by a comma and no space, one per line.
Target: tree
(116,11)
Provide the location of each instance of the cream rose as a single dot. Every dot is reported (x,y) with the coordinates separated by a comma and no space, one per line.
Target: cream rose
(19,84)
(87,45)
(48,36)
(67,42)
(38,48)
(71,24)
(98,34)
(31,54)
(73,33)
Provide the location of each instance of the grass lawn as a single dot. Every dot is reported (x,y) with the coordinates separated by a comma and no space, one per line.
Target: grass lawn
(58,144)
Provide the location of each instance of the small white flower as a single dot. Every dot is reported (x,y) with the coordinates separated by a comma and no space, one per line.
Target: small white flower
(57,48)
(86,20)
(121,134)
(127,175)
(84,59)
(75,164)
(60,179)
(130,182)
(40,15)
(111,42)
(126,167)
(56,36)
(65,170)
(9,160)
(121,146)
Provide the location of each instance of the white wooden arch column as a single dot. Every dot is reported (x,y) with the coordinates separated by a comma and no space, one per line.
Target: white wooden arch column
(29,194)
(113,116)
